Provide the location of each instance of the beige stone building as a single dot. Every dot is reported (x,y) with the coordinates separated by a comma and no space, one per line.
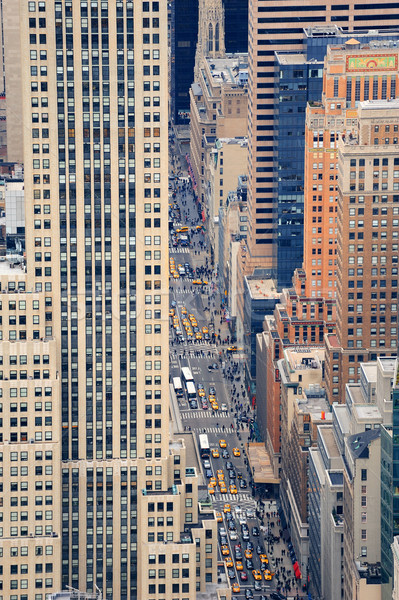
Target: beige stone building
(227,161)
(303,407)
(362,532)
(11,33)
(94,490)
(218,110)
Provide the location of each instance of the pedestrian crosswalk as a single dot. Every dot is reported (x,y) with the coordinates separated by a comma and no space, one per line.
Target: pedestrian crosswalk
(240,496)
(192,353)
(203,414)
(209,430)
(185,250)
(189,290)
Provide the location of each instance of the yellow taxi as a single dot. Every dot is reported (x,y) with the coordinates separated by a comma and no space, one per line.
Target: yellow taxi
(197,282)
(211,489)
(182,230)
(171,312)
(248,554)
(236,588)
(205,282)
(233,489)
(263,559)
(213,481)
(225,550)
(198,336)
(212,397)
(257,575)
(219,517)
(201,393)
(236,452)
(176,275)
(226,508)
(220,474)
(205,330)
(223,488)
(268,575)
(239,566)
(183,310)
(191,316)
(215,406)
(222,443)
(215,453)
(229,561)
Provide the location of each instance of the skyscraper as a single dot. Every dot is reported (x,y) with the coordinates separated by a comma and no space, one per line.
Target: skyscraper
(271,29)
(94,489)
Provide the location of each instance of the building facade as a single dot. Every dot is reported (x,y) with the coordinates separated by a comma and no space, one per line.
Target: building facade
(97,493)
(218,100)
(272,29)
(367,295)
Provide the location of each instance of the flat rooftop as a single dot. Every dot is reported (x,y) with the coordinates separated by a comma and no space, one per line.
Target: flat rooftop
(290,58)
(305,358)
(226,69)
(262,288)
(260,463)
(355,393)
(317,407)
(370,371)
(9,267)
(387,364)
(295,58)
(367,412)
(327,435)
(380,104)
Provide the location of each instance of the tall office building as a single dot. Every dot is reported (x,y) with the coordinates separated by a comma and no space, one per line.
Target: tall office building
(367,240)
(95,493)
(280,28)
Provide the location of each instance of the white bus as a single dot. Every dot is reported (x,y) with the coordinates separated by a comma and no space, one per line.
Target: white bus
(205,450)
(186,374)
(178,387)
(191,391)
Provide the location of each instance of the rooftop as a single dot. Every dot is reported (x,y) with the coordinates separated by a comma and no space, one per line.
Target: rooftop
(333,30)
(387,363)
(367,412)
(330,445)
(380,104)
(262,288)
(259,461)
(317,407)
(12,265)
(304,358)
(227,68)
(358,444)
(290,58)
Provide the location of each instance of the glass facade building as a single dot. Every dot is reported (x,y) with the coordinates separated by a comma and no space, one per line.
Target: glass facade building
(298,80)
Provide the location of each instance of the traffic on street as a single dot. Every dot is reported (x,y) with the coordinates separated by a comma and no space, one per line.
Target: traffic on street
(207,377)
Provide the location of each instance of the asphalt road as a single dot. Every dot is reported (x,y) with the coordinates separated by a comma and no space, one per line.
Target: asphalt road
(198,356)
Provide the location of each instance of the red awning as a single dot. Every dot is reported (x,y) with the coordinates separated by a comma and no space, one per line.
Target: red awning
(297,570)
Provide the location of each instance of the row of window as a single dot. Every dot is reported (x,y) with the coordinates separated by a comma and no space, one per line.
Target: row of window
(23,583)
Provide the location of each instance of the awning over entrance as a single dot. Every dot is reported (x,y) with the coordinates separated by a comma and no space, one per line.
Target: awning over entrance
(260,463)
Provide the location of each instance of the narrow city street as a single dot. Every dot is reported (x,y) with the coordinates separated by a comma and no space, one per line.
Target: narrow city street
(217,408)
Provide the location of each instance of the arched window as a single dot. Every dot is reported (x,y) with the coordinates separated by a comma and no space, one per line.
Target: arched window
(217,37)
(210,38)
